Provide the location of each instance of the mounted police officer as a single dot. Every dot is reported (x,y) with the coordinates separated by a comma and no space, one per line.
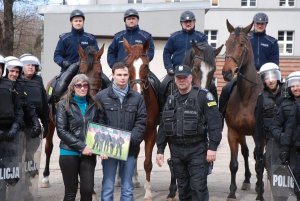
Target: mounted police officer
(287,128)
(265,48)
(266,108)
(191,124)
(66,52)
(133,34)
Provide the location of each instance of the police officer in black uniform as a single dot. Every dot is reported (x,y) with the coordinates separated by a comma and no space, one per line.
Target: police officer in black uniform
(66,52)
(286,128)
(267,105)
(191,124)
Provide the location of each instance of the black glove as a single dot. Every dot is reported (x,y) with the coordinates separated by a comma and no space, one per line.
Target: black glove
(66,64)
(36,128)
(285,157)
(170,71)
(45,131)
(13,132)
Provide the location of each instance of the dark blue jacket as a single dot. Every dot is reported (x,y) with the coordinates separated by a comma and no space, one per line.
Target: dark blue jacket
(116,51)
(265,49)
(178,45)
(67,46)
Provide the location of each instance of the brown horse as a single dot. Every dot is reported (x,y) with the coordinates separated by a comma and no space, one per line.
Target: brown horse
(138,65)
(239,113)
(89,65)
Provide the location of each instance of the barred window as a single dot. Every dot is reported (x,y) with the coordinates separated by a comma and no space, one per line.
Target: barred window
(286,42)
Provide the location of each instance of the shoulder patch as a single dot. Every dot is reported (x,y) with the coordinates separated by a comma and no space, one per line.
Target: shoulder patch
(209,96)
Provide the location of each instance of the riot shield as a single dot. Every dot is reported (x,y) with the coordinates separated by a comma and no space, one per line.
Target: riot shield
(11,173)
(31,164)
(281,180)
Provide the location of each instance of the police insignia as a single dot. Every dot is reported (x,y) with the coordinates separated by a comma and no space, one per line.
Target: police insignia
(209,96)
(213,103)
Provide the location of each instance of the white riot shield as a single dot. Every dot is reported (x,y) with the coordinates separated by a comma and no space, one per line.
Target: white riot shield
(281,180)
(11,173)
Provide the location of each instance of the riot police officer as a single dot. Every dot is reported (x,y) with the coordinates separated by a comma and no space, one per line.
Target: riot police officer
(188,116)
(267,105)
(287,128)
(265,47)
(133,34)
(66,52)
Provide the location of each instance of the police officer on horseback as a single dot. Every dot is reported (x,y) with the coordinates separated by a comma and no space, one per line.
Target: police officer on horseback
(267,105)
(286,129)
(191,124)
(133,34)
(265,48)
(66,52)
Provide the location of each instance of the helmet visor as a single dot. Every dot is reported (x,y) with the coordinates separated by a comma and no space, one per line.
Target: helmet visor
(271,75)
(294,81)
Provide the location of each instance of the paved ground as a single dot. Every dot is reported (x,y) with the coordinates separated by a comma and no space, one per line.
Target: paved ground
(218,182)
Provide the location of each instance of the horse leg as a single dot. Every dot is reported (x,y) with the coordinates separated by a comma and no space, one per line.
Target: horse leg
(173,185)
(149,144)
(234,165)
(259,169)
(245,152)
(48,152)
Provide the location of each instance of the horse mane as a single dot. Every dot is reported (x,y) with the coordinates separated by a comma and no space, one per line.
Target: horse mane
(90,51)
(207,51)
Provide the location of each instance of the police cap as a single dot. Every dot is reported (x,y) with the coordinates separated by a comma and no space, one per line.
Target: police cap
(183,70)
(77,13)
(131,12)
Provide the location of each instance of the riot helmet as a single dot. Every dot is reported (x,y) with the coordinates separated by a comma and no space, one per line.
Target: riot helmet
(293,79)
(30,59)
(2,63)
(270,71)
(186,16)
(131,12)
(12,62)
(77,13)
(261,18)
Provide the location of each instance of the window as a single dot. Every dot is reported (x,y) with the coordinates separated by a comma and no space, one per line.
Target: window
(212,37)
(248,3)
(286,42)
(214,3)
(286,3)
(134,1)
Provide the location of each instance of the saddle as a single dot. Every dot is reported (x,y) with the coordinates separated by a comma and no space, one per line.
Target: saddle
(155,83)
(225,94)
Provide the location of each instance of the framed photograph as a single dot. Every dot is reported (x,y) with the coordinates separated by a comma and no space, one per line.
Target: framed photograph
(106,140)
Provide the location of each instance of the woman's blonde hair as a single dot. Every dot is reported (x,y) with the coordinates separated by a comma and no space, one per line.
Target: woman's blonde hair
(70,92)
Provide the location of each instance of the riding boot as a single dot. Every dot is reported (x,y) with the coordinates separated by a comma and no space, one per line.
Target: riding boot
(213,90)
(63,81)
(165,90)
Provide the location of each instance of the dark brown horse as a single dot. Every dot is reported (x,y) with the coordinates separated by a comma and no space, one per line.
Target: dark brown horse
(138,65)
(239,113)
(89,65)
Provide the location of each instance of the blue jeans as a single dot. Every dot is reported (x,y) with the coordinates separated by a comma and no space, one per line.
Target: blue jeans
(109,174)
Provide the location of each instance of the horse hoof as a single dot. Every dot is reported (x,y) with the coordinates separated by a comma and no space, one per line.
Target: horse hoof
(148,194)
(231,199)
(260,198)
(171,199)
(246,186)
(45,182)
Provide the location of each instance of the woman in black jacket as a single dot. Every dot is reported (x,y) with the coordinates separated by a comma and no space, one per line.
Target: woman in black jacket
(74,111)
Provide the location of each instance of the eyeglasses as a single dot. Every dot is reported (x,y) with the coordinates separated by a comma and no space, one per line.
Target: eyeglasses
(79,86)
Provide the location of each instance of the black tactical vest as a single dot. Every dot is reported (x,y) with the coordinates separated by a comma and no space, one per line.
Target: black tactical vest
(183,119)
(34,92)
(7,101)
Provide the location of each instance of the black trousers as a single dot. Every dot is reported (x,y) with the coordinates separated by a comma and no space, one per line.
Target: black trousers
(71,167)
(191,170)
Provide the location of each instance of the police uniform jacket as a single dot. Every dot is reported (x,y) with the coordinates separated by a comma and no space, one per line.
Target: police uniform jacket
(130,115)
(116,51)
(207,110)
(279,125)
(67,46)
(266,108)
(10,106)
(71,125)
(265,49)
(178,45)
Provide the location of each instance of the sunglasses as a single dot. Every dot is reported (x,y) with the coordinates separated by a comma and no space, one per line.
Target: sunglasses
(79,86)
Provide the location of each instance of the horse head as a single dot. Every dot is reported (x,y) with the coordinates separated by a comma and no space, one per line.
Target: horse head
(201,58)
(91,66)
(238,51)
(138,65)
